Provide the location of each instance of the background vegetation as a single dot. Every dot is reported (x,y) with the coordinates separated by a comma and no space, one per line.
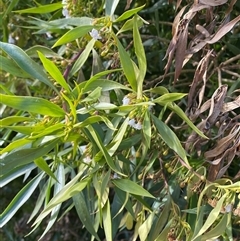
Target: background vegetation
(120,120)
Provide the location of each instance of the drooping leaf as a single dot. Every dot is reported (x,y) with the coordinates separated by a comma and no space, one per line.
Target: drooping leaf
(60,174)
(48,8)
(131,187)
(84,214)
(42,164)
(24,156)
(107,221)
(213,215)
(17,202)
(32,104)
(11,67)
(170,138)
(26,63)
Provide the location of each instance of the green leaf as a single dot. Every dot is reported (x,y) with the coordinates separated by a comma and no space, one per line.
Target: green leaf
(169,97)
(146,129)
(107,221)
(104,151)
(15,173)
(181,114)
(42,164)
(10,67)
(15,144)
(127,66)
(73,34)
(128,25)
(54,71)
(218,230)
(131,187)
(110,7)
(129,13)
(14,119)
(60,173)
(24,156)
(213,215)
(125,201)
(33,52)
(117,140)
(20,199)
(32,104)
(68,191)
(146,227)
(161,220)
(26,63)
(170,138)
(141,57)
(82,58)
(84,214)
(26,130)
(48,8)
(93,96)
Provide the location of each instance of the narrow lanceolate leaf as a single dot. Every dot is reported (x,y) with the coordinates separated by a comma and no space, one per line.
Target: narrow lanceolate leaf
(82,58)
(103,149)
(84,214)
(54,71)
(170,138)
(127,66)
(20,199)
(146,129)
(9,66)
(181,114)
(107,221)
(169,97)
(60,173)
(68,191)
(129,13)
(26,63)
(24,156)
(224,30)
(213,215)
(42,164)
(131,187)
(73,34)
(141,57)
(32,104)
(48,8)
(111,7)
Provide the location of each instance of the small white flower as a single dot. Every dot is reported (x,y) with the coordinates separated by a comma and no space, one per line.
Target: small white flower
(115,176)
(228,208)
(131,122)
(125,100)
(95,34)
(64,2)
(11,40)
(49,36)
(138,126)
(65,12)
(87,159)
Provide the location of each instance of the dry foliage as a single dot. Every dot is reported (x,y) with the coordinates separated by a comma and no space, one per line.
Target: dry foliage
(195,30)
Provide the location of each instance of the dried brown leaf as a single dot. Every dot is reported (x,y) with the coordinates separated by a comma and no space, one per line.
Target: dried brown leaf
(181,49)
(213,3)
(223,30)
